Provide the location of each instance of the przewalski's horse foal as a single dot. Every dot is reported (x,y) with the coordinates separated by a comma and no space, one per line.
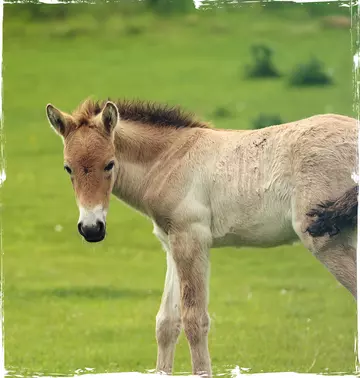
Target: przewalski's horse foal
(206,188)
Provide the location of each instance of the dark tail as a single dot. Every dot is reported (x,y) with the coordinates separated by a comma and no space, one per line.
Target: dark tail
(334,216)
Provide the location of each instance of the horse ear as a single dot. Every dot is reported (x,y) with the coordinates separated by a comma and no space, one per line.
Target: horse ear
(110,116)
(57,119)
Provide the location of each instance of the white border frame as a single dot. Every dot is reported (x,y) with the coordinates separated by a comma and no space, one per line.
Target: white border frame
(237,371)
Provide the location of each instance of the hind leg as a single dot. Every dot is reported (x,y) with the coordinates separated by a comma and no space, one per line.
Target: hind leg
(337,254)
(341,262)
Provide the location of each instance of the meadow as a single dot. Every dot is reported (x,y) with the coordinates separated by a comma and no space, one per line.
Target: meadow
(70,305)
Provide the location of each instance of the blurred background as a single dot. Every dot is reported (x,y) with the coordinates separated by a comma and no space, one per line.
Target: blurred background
(71,305)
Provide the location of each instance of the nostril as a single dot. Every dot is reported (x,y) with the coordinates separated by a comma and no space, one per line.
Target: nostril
(100,226)
(80,228)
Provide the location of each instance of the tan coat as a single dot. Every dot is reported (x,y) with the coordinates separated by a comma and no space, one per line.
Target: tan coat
(205,187)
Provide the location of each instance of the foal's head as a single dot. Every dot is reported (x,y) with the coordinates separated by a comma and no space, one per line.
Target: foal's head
(89,159)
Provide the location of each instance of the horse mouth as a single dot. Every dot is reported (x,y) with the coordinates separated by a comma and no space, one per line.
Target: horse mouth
(94,239)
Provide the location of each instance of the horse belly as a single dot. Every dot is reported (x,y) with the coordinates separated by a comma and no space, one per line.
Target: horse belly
(267,228)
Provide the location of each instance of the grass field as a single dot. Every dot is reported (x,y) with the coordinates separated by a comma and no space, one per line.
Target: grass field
(71,305)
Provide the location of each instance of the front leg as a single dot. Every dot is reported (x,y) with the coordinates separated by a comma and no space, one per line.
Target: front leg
(190,248)
(168,321)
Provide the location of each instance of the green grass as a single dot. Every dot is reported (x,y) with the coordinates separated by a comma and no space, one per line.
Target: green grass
(71,305)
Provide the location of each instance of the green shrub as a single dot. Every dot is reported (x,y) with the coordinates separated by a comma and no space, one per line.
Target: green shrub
(265,120)
(222,112)
(310,73)
(134,30)
(262,65)
(171,6)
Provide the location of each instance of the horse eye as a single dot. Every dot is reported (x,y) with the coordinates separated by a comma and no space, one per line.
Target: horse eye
(110,166)
(67,169)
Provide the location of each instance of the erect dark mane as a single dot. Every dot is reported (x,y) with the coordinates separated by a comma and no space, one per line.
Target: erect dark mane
(145,112)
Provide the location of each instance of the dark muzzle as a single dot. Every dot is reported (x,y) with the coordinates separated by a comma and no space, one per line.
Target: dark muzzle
(93,233)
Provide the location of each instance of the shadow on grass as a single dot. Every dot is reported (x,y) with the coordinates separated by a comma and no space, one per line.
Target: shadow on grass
(93,292)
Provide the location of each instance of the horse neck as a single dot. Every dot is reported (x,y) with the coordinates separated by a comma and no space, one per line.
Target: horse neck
(138,149)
